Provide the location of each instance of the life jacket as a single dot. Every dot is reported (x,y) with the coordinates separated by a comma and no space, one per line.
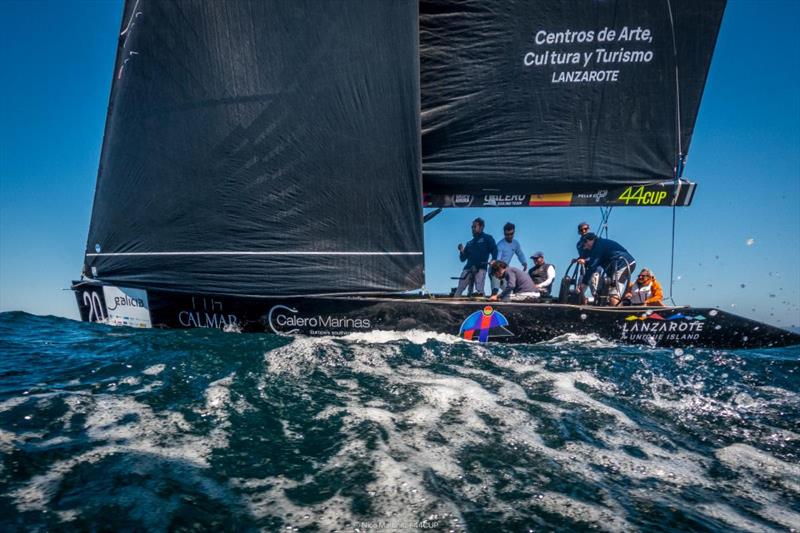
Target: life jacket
(539,274)
(640,293)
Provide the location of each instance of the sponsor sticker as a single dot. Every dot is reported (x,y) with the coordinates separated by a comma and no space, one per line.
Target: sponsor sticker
(208,312)
(655,327)
(505,200)
(285,320)
(462,200)
(641,196)
(127,307)
(596,197)
(484,324)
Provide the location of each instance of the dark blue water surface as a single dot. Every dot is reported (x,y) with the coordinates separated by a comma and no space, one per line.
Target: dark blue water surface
(107,428)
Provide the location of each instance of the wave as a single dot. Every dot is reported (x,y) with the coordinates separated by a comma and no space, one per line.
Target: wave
(130,429)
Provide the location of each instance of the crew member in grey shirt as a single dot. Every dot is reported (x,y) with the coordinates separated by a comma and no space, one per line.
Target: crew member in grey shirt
(518,284)
(506,250)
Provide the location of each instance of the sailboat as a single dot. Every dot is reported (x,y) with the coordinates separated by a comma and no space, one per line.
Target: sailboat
(265,164)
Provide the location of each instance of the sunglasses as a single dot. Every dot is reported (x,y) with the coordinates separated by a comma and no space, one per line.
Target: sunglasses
(586,228)
(644,276)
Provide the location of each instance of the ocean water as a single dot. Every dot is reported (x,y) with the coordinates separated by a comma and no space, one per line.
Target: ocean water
(107,428)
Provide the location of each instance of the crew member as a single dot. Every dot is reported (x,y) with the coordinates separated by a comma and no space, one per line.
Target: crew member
(644,291)
(476,253)
(506,250)
(542,274)
(583,229)
(605,257)
(518,285)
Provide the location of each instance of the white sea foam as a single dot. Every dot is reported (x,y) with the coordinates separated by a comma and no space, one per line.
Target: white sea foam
(606,518)
(727,514)
(303,355)
(414,336)
(591,340)
(403,461)
(120,425)
(8,441)
(218,394)
(761,465)
(232,328)
(154,370)
(428,427)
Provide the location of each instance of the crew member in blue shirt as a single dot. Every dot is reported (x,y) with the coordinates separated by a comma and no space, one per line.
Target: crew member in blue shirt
(605,257)
(506,250)
(476,253)
(583,229)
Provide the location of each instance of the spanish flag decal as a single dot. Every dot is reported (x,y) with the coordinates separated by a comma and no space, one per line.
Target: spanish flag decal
(561,199)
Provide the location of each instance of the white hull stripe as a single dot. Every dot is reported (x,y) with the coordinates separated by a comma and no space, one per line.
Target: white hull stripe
(119,254)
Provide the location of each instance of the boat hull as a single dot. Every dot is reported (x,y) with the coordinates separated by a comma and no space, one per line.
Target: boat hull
(477,320)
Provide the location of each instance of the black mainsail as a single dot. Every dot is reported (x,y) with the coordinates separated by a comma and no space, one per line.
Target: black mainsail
(560,96)
(262,148)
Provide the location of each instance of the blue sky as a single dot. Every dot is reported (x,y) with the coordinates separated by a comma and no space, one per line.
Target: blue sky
(57,61)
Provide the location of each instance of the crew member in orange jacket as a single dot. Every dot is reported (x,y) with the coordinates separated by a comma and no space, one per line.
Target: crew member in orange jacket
(644,291)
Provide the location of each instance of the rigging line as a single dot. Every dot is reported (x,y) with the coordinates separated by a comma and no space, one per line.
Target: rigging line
(672,256)
(679,157)
(605,214)
(679,151)
(125,254)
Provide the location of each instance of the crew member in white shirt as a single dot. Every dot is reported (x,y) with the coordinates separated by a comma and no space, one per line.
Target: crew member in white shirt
(542,274)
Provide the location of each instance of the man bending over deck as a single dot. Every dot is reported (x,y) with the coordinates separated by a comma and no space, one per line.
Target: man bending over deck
(519,285)
(507,248)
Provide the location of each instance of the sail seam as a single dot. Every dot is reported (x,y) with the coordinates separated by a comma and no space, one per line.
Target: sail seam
(247,253)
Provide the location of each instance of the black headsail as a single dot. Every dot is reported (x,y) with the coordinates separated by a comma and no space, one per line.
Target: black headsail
(572,97)
(262,148)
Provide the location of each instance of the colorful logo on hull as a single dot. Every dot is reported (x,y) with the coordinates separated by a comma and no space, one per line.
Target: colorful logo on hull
(484,324)
(656,316)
